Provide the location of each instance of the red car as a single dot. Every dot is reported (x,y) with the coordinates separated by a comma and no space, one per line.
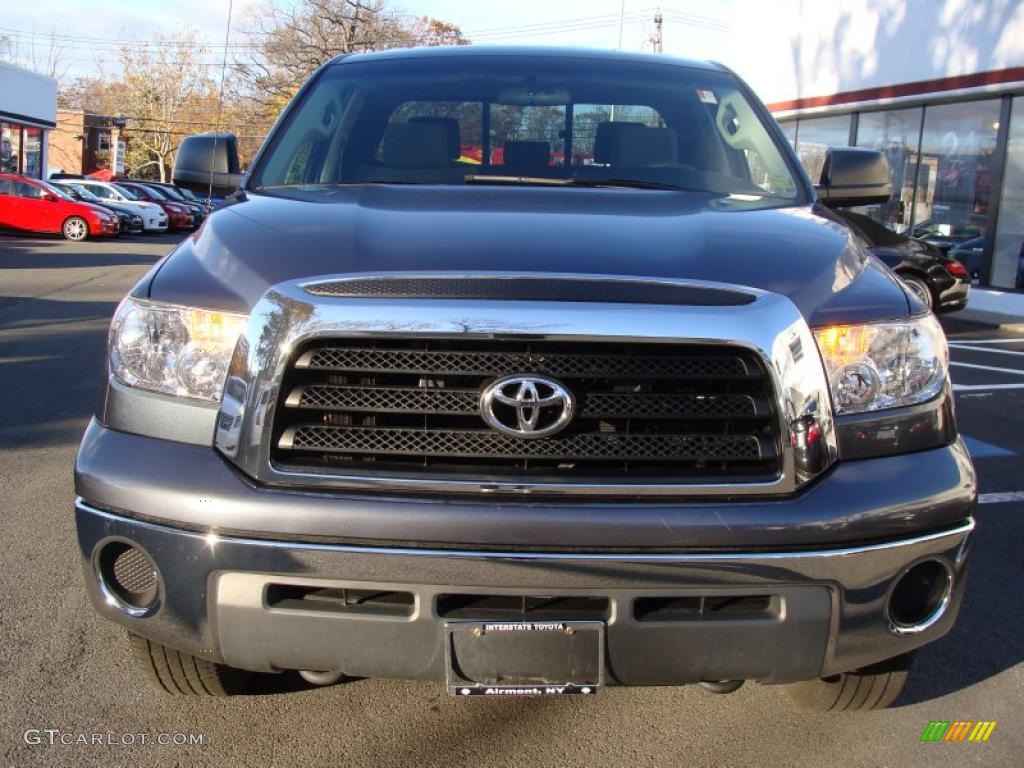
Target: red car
(30,205)
(179,216)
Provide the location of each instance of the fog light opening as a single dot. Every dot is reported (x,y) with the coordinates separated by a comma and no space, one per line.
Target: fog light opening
(128,578)
(920,597)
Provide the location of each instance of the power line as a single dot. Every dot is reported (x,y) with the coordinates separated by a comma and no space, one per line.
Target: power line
(95,44)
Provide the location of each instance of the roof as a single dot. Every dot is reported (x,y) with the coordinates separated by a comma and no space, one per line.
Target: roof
(525,52)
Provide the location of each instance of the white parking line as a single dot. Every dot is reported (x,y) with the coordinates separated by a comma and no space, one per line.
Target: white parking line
(976,387)
(1000,498)
(986,341)
(987,368)
(988,350)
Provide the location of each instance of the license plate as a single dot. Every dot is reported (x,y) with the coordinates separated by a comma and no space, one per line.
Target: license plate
(524,658)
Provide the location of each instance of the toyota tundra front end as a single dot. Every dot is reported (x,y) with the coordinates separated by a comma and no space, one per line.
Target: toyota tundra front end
(529,372)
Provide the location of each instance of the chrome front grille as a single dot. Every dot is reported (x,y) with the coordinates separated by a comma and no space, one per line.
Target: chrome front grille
(683,413)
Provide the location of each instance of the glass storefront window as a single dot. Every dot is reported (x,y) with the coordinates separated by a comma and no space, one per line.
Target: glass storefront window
(953,196)
(942,194)
(1008,254)
(895,132)
(815,135)
(10,147)
(789,128)
(33,153)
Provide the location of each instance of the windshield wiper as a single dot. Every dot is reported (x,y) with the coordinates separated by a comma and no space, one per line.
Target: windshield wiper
(483,178)
(631,184)
(477,178)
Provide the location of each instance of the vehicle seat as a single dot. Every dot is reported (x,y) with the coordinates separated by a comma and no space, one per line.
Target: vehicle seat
(452,132)
(527,154)
(609,137)
(635,145)
(415,145)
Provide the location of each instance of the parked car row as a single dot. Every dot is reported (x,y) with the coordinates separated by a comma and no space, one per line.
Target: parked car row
(79,208)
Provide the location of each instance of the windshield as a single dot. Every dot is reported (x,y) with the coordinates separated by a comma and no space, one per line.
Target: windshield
(63,194)
(168,192)
(156,194)
(519,120)
(128,193)
(84,193)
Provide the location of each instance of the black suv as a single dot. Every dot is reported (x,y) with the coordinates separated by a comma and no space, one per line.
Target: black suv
(529,371)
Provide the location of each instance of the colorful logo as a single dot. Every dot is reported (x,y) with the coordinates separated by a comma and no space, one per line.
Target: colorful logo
(958,730)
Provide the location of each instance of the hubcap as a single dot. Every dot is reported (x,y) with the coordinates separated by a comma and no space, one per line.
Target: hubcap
(75,229)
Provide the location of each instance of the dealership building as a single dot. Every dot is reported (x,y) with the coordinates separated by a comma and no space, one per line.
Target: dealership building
(28,112)
(938,86)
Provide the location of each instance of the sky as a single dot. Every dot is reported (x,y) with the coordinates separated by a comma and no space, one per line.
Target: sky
(89,30)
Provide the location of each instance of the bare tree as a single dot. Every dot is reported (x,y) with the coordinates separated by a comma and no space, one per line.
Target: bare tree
(163,89)
(49,58)
(289,41)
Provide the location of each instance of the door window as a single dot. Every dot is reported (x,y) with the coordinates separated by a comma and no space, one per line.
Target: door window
(24,189)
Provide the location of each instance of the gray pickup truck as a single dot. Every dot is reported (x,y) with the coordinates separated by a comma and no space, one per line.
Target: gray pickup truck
(529,372)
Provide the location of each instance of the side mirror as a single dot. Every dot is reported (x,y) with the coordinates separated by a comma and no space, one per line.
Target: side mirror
(49,197)
(206,156)
(854,176)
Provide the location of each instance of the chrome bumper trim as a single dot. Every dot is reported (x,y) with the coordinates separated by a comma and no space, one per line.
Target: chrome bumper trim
(695,557)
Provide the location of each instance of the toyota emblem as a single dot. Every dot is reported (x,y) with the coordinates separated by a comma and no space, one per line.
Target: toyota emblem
(527,406)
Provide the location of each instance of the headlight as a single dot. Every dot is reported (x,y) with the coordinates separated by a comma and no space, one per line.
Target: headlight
(173,350)
(884,365)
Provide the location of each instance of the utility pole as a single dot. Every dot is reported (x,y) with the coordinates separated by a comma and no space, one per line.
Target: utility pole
(657,38)
(622,22)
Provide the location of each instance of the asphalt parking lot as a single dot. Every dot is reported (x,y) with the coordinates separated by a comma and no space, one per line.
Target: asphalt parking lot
(65,669)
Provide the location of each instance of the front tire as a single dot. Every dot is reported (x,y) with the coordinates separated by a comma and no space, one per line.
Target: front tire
(868,688)
(181,674)
(76,228)
(922,292)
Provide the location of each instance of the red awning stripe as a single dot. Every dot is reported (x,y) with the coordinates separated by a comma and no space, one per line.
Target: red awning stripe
(980,79)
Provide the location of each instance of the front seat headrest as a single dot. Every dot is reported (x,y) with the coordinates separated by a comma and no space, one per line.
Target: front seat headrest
(452,131)
(530,154)
(415,145)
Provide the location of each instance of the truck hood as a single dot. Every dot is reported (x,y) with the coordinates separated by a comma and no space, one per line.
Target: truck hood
(800,252)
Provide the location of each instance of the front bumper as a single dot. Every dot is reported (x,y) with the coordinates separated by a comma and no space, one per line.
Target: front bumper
(224,547)
(823,610)
(180,220)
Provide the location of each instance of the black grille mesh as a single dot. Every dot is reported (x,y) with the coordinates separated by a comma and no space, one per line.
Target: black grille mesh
(467,403)
(492,444)
(503,363)
(678,413)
